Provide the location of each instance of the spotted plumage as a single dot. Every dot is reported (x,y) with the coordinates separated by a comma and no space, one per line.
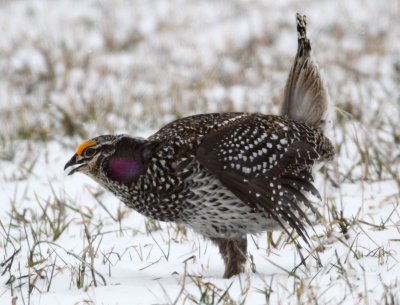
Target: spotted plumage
(223,174)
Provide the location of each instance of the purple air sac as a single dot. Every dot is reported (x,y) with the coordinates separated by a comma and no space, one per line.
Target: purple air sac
(123,169)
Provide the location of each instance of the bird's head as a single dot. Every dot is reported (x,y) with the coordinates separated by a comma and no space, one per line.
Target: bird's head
(118,158)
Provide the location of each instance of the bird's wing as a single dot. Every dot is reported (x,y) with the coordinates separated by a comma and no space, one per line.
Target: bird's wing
(265,167)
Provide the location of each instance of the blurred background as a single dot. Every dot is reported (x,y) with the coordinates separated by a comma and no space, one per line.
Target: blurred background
(80,68)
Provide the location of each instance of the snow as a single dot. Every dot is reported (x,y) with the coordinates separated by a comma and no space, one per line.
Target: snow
(75,69)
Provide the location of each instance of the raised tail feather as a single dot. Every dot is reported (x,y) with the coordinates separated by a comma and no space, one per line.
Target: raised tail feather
(306,97)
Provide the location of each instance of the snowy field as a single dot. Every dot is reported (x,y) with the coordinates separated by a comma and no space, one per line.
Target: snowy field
(70,70)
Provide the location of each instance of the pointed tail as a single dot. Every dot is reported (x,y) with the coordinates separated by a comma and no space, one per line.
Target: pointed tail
(306,96)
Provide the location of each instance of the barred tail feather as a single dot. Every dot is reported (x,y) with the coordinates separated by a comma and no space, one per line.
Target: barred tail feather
(306,97)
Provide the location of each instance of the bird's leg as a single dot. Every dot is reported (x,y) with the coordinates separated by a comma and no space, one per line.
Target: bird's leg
(234,254)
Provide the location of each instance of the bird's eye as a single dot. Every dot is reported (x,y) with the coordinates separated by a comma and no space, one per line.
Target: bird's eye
(89,152)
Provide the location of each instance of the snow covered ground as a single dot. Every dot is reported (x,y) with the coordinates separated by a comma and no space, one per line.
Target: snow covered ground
(70,70)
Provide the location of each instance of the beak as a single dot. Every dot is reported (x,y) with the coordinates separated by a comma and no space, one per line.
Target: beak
(76,163)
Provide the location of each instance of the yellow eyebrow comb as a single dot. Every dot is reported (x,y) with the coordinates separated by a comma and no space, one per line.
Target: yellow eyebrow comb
(84,145)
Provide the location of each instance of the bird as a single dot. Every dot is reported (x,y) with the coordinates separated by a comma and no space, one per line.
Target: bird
(225,175)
